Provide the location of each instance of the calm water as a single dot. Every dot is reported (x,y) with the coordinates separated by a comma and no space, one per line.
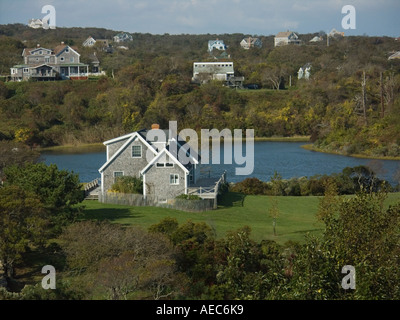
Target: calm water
(287,158)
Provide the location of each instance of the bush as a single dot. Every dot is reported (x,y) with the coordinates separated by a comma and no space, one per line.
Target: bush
(251,186)
(188,197)
(128,184)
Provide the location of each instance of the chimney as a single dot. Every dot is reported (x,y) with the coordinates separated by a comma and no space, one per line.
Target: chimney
(62,42)
(155,126)
(38,45)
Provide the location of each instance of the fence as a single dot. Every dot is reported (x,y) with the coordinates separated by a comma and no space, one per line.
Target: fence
(137,200)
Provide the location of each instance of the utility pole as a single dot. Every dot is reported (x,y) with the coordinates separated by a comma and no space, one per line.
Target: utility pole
(364,98)
(382,96)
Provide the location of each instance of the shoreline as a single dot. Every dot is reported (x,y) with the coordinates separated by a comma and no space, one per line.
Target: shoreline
(100,145)
(310,147)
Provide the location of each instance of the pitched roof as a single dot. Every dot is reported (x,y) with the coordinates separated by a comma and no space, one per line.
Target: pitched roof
(156,158)
(395,56)
(284,34)
(132,137)
(60,48)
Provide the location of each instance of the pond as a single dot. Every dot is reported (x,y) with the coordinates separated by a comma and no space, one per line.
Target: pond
(287,158)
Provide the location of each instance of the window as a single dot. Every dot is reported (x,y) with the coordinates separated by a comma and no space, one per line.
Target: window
(71,59)
(117,174)
(136,151)
(174,179)
(164,165)
(169,165)
(67,50)
(26,70)
(62,59)
(160,165)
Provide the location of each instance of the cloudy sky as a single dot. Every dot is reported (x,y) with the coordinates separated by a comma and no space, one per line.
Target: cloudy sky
(255,17)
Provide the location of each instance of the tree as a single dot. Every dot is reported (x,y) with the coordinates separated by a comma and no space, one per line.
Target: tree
(14,153)
(23,221)
(58,190)
(277,189)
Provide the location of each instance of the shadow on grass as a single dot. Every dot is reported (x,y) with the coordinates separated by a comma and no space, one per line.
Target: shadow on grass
(231,199)
(305,231)
(110,214)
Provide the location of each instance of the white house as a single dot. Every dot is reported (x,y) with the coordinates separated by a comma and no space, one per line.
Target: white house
(250,42)
(285,38)
(122,37)
(89,42)
(35,23)
(216,44)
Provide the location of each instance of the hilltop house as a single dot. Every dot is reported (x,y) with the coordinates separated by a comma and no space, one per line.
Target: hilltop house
(216,44)
(334,33)
(48,64)
(90,42)
(286,38)
(122,37)
(204,72)
(153,156)
(250,42)
(35,23)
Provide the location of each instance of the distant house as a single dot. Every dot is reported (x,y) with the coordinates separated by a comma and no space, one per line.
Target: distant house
(216,44)
(122,37)
(395,55)
(334,33)
(250,42)
(204,72)
(35,23)
(42,64)
(89,42)
(164,176)
(316,39)
(304,72)
(286,38)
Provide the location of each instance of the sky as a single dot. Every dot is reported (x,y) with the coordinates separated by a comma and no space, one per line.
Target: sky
(252,17)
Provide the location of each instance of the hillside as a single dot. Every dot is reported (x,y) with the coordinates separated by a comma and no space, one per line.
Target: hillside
(151,82)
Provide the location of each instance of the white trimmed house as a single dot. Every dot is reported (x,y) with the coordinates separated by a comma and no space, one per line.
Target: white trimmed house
(286,38)
(250,42)
(153,156)
(216,44)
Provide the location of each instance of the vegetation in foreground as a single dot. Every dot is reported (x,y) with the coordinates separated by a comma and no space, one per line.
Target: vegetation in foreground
(113,252)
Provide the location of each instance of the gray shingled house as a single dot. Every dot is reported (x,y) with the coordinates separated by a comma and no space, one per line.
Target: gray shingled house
(153,156)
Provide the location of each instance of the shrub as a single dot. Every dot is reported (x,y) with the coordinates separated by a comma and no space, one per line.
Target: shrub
(128,184)
(188,197)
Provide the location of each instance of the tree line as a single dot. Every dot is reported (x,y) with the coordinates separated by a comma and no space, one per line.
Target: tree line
(349,105)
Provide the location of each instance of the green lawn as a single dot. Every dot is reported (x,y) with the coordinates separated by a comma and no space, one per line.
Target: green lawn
(297,216)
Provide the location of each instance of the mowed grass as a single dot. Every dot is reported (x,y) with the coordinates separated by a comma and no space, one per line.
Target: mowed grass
(297,216)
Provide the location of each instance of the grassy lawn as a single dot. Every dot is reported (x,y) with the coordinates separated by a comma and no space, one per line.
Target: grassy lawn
(297,216)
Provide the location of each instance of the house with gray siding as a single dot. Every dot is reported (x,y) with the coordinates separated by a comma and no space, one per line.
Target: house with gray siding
(151,155)
(50,64)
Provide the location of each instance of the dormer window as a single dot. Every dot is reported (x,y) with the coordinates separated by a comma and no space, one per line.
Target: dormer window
(67,50)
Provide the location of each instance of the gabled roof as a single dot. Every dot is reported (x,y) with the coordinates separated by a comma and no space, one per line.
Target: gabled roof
(28,51)
(286,34)
(131,137)
(170,155)
(395,56)
(61,48)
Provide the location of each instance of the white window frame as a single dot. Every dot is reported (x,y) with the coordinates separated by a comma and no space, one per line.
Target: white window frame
(141,152)
(62,58)
(174,179)
(26,70)
(71,59)
(115,177)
